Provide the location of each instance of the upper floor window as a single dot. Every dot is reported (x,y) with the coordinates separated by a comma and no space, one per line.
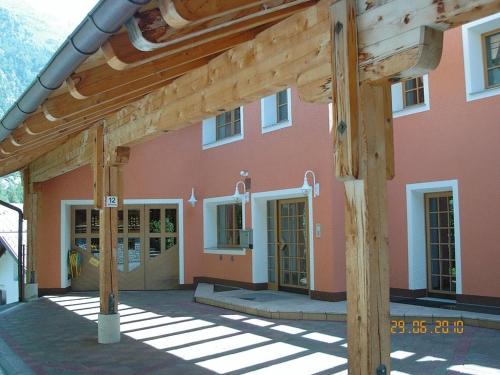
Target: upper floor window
(222,129)
(492,58)
(229,223)
(413,92)
(228,124)
(481,42)
(410,96)
(276,111)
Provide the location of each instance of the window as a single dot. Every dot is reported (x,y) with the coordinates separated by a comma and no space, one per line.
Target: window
(410,96)
(229,222)
(222,129)
(228,124)
(481,42)
(492,58)
(413,92)
(223,217)
(276,111)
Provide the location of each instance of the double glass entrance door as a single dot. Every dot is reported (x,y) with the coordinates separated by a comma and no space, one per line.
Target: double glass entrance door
(288,250)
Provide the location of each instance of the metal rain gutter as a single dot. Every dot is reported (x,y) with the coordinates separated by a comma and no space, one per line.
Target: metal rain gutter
(104,19)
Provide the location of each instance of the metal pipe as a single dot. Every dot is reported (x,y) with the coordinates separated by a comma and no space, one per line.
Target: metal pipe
(103,20)
(20,263)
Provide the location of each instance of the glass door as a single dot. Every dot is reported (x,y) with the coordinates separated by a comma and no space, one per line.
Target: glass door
(130,250)
(440,238)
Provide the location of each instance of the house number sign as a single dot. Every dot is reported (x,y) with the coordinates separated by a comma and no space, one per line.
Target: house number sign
(111,201)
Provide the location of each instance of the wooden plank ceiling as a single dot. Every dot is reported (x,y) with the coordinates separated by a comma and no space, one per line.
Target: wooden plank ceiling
(163,41)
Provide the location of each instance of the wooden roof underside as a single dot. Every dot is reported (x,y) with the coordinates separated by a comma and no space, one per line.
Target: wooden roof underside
(144,56)
(179,61)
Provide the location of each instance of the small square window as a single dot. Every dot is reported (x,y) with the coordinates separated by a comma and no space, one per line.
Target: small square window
(276,111)
(228,124)
(491,45)
(229,222)
(413,92)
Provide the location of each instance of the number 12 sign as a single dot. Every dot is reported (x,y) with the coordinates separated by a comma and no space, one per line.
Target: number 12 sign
(111,201)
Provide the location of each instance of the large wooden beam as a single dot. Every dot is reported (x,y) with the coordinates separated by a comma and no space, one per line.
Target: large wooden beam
(76,152)
(367,250)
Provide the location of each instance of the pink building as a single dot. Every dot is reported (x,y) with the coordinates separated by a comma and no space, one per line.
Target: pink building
(442,203)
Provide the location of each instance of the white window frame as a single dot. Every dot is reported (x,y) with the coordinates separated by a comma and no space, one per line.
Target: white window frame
(475,81)
(210,225)
(209,137)
(259,224)
(269,116)
(417,248)
(398,108)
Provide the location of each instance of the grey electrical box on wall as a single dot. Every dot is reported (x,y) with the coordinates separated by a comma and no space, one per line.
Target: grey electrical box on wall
(246,238)
(318,230)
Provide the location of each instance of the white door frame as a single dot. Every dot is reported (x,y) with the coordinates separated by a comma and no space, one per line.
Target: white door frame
(417,248)
(66,230)
(259,225)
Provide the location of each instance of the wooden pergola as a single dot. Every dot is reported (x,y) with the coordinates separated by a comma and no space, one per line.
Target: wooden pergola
(180,61)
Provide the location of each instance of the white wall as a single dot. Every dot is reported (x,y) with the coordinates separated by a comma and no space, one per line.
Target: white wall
(8,269)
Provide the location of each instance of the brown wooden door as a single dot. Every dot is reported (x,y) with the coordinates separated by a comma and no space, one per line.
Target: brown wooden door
(161,258)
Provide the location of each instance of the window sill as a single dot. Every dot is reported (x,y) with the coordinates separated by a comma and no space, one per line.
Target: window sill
(224,251)
(277,126)
(411,110)
(223,141)
(486,93)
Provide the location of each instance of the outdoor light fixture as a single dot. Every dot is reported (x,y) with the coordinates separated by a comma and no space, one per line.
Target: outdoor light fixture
(306,187)
(245,197)
(192,200)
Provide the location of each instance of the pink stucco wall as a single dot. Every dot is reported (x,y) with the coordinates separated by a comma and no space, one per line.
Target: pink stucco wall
(167,167)
(454,140)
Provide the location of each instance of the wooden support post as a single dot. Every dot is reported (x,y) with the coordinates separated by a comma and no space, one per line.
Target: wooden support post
(108,241)
(107,172)
(98,166)
(31,197)
(367,243)
(363,160)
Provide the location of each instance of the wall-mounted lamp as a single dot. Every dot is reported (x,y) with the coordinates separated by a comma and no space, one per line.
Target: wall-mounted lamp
(306,187)
(192,200)
(245,197)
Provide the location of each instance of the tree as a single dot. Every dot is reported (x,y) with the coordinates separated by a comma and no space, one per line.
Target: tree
(11,188)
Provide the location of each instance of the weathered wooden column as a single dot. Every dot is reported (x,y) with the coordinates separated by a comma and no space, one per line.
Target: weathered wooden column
(31,198)
(107,195)
(363,160)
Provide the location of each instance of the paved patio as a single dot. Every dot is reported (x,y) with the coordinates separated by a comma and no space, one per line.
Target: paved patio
(283,305)
(167,332)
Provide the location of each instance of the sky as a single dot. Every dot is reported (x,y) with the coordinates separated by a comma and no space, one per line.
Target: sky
(61,16)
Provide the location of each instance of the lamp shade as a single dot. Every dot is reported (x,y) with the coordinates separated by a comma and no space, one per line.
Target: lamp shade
(306,187)
(192,200)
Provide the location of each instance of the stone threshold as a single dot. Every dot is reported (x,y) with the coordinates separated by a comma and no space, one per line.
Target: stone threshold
(283,305)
